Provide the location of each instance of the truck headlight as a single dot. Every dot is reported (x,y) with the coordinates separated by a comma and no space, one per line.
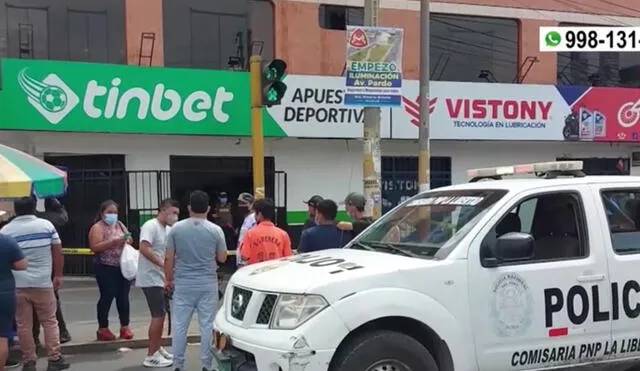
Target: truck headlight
(293,310)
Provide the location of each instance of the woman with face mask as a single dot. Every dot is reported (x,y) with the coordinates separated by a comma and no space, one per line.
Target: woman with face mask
(107,238)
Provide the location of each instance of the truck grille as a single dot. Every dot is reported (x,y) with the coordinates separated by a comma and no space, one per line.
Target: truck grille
(266,309)
(239,302)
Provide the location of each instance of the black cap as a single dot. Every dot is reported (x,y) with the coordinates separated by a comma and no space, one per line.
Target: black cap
(52,204)
(313,201)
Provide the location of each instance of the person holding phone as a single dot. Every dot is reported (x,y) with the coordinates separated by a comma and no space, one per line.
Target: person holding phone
(107,238)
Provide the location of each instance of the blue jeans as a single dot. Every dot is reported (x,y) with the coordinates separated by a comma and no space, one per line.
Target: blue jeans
(186,301)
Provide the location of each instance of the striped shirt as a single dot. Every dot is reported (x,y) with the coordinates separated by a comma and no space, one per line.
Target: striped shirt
(35,237)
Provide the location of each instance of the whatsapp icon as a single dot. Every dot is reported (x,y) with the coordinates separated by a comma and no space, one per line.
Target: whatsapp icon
(552,38)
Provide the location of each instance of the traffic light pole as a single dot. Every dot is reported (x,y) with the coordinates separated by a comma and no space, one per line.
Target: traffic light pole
(257,135)
(371,166)
(424,165)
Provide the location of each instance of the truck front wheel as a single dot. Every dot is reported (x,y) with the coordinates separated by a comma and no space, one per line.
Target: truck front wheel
(383,351)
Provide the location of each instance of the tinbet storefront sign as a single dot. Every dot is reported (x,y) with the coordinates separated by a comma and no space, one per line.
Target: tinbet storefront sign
(87,97)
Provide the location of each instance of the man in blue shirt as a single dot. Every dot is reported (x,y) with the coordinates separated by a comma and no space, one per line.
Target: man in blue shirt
(195,246)
(325,235)
(11,258)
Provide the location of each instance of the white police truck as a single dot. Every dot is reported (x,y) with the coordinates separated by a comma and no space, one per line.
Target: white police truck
(521,274)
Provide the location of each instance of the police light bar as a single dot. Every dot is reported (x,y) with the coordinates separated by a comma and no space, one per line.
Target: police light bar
(540,167)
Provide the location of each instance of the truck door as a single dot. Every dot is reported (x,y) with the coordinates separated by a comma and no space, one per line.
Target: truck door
(552,308)
(620,207)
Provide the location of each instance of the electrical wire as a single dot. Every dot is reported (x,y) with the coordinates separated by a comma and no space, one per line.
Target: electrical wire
(514,26)
(621,6)
(590,11)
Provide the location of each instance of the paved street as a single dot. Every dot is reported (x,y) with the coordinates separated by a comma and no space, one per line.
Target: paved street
(122,361)
(79,297)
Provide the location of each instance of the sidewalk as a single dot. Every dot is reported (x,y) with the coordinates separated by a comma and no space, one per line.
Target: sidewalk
(79,297)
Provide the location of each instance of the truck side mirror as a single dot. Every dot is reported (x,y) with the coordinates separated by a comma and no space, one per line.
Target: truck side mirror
(514,246)
(510,247)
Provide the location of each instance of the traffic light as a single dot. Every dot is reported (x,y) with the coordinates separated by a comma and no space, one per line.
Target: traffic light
(273,88)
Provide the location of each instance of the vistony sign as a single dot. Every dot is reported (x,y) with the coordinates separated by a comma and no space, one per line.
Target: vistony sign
(87,97)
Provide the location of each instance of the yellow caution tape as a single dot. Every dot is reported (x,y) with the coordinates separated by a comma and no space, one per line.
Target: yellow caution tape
(77,252)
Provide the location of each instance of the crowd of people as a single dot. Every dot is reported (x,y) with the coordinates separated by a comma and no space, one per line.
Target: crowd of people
(177,268)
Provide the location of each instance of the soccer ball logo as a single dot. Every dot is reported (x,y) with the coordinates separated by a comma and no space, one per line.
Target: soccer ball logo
(51,96)
(53,99)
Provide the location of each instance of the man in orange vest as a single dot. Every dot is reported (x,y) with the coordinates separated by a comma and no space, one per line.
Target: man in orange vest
(265,241)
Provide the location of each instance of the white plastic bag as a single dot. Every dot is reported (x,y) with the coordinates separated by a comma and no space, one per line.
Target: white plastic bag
(129,262)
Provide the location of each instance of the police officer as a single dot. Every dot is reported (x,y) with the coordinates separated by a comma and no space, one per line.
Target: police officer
(222,211)
(222,216)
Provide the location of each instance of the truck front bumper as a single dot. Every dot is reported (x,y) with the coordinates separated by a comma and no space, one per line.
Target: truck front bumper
(310,347)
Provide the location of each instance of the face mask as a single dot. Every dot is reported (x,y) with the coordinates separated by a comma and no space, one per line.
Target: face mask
(110,219)
(172,219)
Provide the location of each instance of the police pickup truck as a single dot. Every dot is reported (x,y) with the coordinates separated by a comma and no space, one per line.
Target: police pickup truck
(521,274)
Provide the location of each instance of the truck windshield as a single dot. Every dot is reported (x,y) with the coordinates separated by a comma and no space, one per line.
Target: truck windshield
(427,223)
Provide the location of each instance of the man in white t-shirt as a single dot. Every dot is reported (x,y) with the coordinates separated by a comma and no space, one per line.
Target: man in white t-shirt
(245,203)
(153,246)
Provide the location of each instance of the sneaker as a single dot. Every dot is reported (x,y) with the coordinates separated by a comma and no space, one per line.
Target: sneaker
(157,361)
(11,364)
(126,333)
(165,354)
(104,334)
(65,337)
(29,366)
(58,364)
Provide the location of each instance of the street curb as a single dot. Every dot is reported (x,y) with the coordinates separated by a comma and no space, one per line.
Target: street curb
(108,346)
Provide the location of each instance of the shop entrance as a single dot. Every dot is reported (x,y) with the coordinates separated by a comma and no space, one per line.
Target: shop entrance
(213,175)
(603,165)
(232,175)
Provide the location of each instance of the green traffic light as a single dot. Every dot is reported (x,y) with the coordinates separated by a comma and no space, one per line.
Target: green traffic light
(272,95)
(275,70)
(273,88)
(271,74)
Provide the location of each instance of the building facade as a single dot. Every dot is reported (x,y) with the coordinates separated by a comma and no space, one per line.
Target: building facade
(136,155)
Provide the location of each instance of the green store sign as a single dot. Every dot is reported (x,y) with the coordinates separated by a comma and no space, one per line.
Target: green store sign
(87,97)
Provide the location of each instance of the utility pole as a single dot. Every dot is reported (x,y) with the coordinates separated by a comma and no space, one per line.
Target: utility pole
(424,165)
(371,161)
(257,135)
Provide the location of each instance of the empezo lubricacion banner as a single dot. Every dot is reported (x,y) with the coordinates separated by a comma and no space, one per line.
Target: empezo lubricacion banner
(88,97)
